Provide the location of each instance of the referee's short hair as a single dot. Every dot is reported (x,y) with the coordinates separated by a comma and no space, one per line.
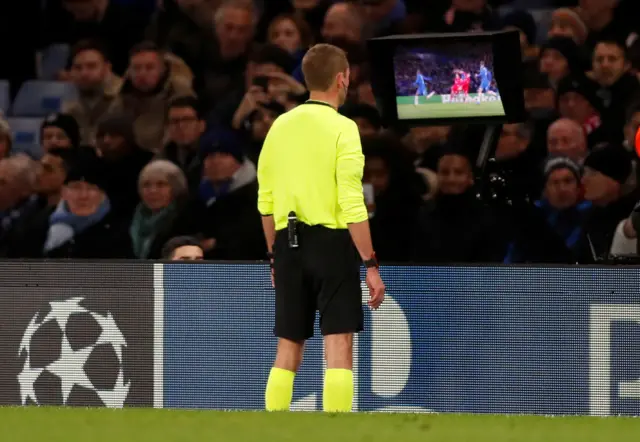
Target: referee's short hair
(321,64)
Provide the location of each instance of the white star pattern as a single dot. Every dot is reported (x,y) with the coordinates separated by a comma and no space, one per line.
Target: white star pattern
(26,338)
(27,379)
(111,334)
(62,310)
(115,398)
(70,368)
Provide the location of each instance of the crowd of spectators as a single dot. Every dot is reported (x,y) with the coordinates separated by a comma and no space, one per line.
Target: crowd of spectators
(175,97)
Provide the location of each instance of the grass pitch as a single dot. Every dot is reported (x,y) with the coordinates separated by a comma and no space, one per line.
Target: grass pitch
(438,109)
(142,425)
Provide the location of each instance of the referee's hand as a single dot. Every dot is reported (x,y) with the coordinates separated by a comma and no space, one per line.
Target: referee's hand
(376,288)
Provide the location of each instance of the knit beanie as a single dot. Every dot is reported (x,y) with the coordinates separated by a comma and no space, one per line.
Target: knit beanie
(66,123)
(610,160)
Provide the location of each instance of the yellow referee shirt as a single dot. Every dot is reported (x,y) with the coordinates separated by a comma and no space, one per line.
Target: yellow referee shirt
(312,163)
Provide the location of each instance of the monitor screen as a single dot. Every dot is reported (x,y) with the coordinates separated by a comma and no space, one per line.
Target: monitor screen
(446,80)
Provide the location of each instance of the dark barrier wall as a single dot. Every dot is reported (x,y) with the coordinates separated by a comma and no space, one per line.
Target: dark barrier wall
(76,334)
(447,339)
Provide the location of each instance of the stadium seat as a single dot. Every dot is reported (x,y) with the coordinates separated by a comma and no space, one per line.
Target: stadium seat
(26,135)
(39,98)
(5,96)
(54,59)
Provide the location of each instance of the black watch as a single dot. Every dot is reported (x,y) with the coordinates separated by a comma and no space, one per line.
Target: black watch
(371,262)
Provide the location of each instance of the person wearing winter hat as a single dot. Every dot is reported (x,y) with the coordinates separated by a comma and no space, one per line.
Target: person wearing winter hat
(560,57)
(567,22)
(523,22)
(605,170)
(578,100)
(59,131)
(83,225)
(552,230)
(224,209)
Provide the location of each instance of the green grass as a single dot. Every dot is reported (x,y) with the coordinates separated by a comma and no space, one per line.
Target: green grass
(437,109)
(142,425)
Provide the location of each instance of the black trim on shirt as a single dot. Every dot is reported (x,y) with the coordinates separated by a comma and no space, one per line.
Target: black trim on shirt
(321,103)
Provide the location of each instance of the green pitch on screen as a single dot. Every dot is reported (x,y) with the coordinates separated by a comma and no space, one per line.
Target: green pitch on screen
(148,425)
(434,107)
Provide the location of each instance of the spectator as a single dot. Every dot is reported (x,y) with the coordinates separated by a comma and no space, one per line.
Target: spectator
(539,96)
(518,162)
(366,117)
(290,33)
(470,16)
(6,139)
(267,74)
(523,22)
(552,231)
(397,190)
(163,193)
(606,170)
(618,86)
(219,71)
(183,248)
(386,16)
(343,21)
(455,226)
(123,159)
(147,91)
(578,100)
(185,127)
(225,210)
(560,57)
(97,86)
(566,138)
(567,22)
(51,176)
(59,131)
(612,18)
(82,226)
(117,25)
(17,202)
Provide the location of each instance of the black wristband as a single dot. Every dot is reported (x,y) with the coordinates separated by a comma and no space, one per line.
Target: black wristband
(371,262)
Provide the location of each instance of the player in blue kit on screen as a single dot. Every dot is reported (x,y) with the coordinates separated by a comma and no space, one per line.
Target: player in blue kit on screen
(421,87)
(485,82)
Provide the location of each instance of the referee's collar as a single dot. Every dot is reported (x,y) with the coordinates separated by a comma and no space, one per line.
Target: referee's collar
(321,103)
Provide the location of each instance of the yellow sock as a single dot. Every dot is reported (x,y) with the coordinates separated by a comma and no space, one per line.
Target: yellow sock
(279,390)
(338,390)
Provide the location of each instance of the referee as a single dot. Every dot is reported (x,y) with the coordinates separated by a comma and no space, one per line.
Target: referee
(313,212)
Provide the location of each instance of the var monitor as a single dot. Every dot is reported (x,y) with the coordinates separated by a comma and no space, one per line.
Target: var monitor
(448,78)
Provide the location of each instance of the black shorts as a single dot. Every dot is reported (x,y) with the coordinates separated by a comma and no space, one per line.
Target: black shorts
(322,274)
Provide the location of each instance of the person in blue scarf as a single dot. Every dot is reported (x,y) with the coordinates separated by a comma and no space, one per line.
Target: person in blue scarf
(553,230)
(83,226)
(163,190)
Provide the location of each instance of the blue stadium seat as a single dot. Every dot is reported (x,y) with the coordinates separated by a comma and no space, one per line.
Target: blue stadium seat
(39,98)
(54,59)
(26,135)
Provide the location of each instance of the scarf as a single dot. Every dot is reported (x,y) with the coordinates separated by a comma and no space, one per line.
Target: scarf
(209,193)
(146,225)
(64,225)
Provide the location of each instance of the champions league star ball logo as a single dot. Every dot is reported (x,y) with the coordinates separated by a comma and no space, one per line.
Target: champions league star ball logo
(72,356)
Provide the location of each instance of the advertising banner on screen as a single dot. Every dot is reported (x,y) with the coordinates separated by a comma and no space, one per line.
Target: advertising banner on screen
(447,339)
(78,334)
